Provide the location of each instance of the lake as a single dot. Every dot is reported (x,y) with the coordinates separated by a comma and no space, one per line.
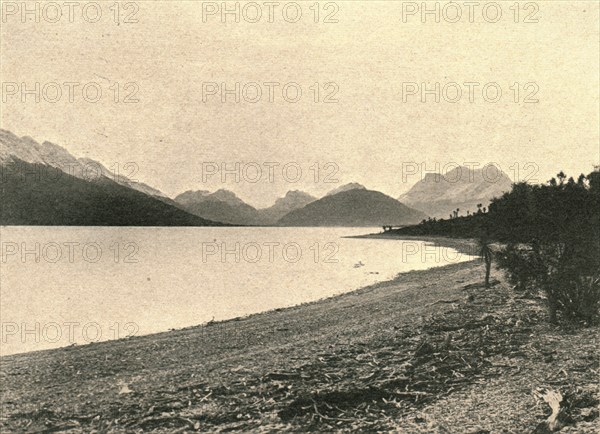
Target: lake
(66,285)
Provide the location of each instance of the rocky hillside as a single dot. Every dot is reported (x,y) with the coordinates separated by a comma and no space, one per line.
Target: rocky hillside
(439,195)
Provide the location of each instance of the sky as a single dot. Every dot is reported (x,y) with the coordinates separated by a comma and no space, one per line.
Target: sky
(367,74)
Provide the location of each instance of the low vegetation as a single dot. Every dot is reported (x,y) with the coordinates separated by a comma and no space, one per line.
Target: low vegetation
(550,236)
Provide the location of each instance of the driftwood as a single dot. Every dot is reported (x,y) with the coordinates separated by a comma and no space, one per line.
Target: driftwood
(553,399)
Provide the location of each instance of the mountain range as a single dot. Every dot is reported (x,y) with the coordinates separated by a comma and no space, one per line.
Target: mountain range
(225,206)
(43,184)
(348,205)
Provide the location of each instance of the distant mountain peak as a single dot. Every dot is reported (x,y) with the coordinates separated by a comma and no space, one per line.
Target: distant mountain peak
(432,177)
(223,192)
(457,174)
(227,196)
(353,207)
(296,193)
(70,199)
(191,196)
(222,205)
(346,187)
(28,150)
(293,200)
(294,196)
(461,187)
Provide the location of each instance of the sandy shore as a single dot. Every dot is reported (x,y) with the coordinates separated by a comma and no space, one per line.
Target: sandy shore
(428,351)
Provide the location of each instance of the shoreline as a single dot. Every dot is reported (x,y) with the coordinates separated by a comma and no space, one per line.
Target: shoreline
(397,355)
(462,245)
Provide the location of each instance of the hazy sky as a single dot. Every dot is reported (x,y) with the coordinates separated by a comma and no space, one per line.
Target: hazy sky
(363,61)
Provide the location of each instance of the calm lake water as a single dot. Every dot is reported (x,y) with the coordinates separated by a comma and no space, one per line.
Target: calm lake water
(65,285)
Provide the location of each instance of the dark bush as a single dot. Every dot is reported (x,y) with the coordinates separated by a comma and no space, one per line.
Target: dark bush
(574,298)
(551,235)
(522,266)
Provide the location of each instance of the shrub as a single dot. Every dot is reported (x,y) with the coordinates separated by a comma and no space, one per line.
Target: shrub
(574,298)
(521,265)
